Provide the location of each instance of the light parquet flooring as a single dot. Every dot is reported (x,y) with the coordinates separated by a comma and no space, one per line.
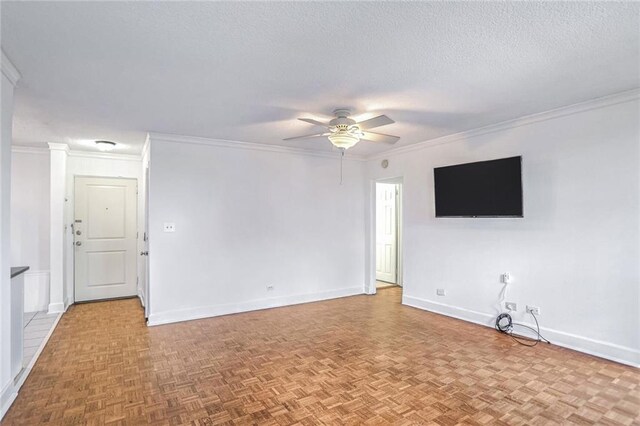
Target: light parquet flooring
(357,360)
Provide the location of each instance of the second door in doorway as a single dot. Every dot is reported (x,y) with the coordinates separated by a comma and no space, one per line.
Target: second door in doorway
(386,232)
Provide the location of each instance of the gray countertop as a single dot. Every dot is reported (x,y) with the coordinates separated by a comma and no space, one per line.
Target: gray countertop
(17,270)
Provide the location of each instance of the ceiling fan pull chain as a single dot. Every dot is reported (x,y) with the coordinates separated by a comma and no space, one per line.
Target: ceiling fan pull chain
(341,159)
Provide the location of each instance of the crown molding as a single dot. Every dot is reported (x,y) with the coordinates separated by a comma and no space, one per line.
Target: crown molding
(596,103)
(85,154)
(222,143)
(104,155)
(9,70)
(53,146)
(18,149)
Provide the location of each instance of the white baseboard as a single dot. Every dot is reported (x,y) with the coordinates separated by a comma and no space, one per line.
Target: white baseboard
(10,391)
(610,351)
(36,291)
(7,396)
(168,317)
(55,308)
(25,373)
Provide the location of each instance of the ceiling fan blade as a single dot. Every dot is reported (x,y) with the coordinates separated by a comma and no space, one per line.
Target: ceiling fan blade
(312,121)
(379,137)
(307,136)
(381,120)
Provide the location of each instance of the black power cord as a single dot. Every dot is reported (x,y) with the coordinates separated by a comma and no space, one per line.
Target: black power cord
(505,324)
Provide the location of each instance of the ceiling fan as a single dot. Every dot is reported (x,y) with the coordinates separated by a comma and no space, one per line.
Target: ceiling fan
(344,132)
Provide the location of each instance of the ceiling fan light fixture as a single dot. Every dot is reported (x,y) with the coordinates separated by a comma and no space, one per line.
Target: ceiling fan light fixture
(105,146)
(344,132)
(343,139)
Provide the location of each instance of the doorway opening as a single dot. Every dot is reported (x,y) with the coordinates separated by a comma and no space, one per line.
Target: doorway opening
(388,233)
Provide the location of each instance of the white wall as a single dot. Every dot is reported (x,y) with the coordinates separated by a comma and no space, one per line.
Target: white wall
(248,218)
(8,79)
(30,223)
(92,164)
(575,253)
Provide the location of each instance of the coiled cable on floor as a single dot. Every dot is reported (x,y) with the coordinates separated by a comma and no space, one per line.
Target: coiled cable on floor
(505,324)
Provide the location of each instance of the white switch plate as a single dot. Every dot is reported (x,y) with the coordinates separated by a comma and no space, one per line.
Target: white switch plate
(440,292)
(169,227)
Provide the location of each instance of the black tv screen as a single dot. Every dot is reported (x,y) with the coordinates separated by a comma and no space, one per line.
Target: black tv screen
(483,189)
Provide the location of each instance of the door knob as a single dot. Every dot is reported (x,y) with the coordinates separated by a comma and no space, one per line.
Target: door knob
(78,232)
(78,243)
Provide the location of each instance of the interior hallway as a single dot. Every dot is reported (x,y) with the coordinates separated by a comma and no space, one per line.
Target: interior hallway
(352,360)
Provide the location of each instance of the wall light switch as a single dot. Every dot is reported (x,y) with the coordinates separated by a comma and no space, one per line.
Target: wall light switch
(169,227)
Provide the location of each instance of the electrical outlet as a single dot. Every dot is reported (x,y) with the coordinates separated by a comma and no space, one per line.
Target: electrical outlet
(440,292)
(505,278)
(169,227)
(533,310)
(511,306)
(269,288)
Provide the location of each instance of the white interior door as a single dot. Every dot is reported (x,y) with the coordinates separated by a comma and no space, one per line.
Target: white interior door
(145,253)
(386,232)
(105,238)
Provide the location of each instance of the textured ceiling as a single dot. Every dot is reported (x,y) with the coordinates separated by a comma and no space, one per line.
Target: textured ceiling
(245,71)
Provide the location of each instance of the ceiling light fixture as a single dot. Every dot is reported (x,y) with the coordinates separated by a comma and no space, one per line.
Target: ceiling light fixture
(105,146)
(344,132)
(345,136)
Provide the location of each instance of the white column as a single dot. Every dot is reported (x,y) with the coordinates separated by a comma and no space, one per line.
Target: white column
(59,152)
(10,77)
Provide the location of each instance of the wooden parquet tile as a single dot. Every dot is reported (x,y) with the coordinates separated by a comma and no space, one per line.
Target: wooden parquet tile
(358,360)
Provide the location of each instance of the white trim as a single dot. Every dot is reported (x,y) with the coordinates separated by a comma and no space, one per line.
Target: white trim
(188,314)
(18,149)
(7,396)
(74,153)
(105,155)
(610,351)
(145,147)
(53,146)
(27,370)
(222,143)
(55,308)
(9,70)
(370,239)
(14,385)
(605,101)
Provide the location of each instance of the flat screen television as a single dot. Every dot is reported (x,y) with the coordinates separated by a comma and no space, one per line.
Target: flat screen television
(483,189)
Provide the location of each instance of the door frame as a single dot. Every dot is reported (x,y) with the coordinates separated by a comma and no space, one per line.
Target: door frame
(145,242)
(72,269)
(370,275)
